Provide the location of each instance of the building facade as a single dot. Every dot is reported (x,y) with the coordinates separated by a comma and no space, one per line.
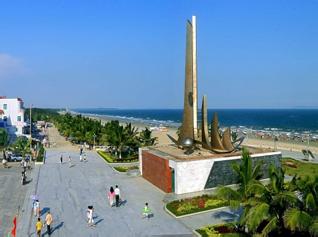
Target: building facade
(12,115)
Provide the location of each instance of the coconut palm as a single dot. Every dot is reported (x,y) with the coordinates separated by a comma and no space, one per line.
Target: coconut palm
(146,139)
(264,210)
(246,174)
(305,217)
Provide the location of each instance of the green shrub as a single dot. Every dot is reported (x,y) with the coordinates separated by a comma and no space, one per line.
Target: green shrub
(40,157)
(3,137)
(106,157)
(195,204)
(125,168)
(121,169)
(111,159)
(214,231)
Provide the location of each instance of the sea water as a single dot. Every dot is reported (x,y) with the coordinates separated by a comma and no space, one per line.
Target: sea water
(293,120)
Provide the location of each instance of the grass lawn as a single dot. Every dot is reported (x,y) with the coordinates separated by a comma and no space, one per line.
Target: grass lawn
(195,204)
(221,230)
(301,168)
(110,159)
(125,169)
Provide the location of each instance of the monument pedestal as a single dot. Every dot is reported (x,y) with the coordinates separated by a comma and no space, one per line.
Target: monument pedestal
(168,168)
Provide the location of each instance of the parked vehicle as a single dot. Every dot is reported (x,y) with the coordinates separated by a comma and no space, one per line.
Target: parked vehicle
(16,157)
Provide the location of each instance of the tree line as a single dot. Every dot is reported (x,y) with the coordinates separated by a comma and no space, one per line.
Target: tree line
(122,138)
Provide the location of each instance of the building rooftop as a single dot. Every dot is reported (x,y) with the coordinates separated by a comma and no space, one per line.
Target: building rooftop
(172,152)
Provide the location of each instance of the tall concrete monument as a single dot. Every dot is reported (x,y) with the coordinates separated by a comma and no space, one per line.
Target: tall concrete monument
(198,159)
(189,129)
(188,134)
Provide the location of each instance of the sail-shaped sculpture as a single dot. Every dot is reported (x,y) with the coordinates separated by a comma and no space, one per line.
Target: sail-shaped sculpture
(204,123)
(227,140)
(216,142)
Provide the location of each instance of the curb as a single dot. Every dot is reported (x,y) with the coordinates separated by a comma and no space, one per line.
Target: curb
(193,214)
(196,233)
(113,168)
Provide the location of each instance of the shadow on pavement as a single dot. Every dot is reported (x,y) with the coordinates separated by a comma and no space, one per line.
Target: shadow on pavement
(57,227)
(44,210)
(122,202)
(99,221)
(28,181)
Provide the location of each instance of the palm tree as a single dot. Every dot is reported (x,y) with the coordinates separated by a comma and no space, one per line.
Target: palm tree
(146,139)
(264,210)
(305,216)
(246,175)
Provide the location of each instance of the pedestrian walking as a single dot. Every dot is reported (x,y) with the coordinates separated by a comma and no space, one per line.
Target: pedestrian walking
(36,208)
(61,159)
(70,161)
(89,213)
(24,165)
(48,222)
(38,227)
(146,211)
(111,196)
(117,195)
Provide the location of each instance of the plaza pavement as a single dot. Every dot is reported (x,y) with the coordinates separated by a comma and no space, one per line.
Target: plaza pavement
(68,191)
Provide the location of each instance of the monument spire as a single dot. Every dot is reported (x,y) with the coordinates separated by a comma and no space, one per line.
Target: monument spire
(190,112)
(194,77)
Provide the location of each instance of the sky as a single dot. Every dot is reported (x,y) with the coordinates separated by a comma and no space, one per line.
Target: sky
(131,54)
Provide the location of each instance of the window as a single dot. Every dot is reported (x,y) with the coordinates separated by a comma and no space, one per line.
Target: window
(5,106)
(19,118)
(5,118)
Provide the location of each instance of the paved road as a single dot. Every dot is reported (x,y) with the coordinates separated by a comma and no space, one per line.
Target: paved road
(12,194)
(68,191)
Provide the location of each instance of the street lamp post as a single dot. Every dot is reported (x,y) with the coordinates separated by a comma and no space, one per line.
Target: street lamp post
(30,127)
(94,136)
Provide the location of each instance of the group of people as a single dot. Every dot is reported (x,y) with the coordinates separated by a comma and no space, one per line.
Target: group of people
(114,196)
(48,219)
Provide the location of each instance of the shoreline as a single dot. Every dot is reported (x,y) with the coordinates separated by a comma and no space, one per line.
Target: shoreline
(249,141)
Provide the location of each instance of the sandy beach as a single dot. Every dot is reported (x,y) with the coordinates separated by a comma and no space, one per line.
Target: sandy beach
(254,142)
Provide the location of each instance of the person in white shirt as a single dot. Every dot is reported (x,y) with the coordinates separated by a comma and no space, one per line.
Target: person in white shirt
(117,195)
(89,214)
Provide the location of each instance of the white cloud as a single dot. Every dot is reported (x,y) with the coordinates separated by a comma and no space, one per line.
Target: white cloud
(10,66)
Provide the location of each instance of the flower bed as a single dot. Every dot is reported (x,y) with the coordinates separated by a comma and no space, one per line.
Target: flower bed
(110,159)
(124,168)
(221,230)
(195,204)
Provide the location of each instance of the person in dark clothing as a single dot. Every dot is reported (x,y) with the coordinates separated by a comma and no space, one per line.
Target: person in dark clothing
(117,195)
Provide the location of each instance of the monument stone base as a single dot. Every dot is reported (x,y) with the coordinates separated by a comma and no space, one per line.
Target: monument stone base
(168,168)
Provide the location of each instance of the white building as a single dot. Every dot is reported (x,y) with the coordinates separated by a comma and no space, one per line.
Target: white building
(12,115)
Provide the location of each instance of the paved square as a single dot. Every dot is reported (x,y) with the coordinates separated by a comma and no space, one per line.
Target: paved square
(68,191)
